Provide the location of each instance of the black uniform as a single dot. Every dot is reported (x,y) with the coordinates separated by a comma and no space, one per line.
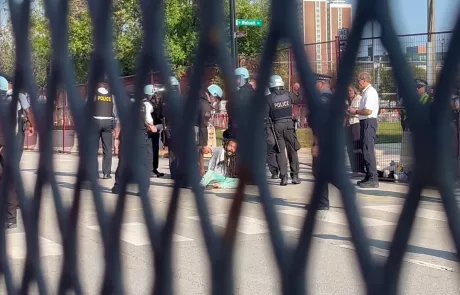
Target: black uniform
(167,138)
(143,148)
(12,197)
(271,149)
(326,97)
(201,126)
(157,116)
(244,94)
(104,117)
(280,111)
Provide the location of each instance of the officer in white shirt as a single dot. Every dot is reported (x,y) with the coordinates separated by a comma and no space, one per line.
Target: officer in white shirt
(22,110)
(368,112)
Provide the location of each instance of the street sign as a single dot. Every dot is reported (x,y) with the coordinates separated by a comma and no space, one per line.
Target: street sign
(240,34)
(249,22)
(343,34)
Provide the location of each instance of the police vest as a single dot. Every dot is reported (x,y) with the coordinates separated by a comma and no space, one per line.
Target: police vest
(104,104)
(281,107)
(425,98)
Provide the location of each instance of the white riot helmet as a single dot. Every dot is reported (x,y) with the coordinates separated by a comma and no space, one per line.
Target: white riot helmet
(275,81)
(242,76)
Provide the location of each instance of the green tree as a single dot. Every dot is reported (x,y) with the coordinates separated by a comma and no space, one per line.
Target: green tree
(254,42)
(7,48)
(181,33)
(40,45)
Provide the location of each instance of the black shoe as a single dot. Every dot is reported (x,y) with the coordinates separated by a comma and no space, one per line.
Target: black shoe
(107,176)
(369,184)
(366,179)
(275,175)
(296,179)
(284,180)
(11,225)
(116,190)
(158,173)
(322,208)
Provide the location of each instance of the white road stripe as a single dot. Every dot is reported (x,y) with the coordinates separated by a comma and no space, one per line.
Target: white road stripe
(16,246)
(136,234)
(338,218)
(246,225)
(414,261)
(421,212)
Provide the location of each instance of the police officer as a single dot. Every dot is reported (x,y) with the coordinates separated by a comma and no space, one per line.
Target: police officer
(23,110)
(208,98)
(105,120)
(272,147)
(144,145)
(424,98)
(167,136)
(24,115)
(153,95)
(323,86)
(244,93)
(280,111)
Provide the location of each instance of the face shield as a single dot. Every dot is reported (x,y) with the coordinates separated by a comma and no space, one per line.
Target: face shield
(240,81)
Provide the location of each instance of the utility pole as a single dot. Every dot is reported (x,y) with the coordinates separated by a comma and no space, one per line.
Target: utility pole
(431,55)
(233,44)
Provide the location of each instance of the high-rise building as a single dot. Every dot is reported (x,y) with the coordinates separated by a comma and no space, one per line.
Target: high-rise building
(320,23)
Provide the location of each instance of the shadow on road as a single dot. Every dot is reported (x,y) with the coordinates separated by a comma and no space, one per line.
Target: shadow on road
(384,245)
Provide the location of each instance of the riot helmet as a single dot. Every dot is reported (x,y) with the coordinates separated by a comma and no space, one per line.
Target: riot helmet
(275,83)
(242,77)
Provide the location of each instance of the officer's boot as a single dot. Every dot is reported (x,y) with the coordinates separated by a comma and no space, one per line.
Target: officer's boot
(275,174)
(284,180)
(296,179)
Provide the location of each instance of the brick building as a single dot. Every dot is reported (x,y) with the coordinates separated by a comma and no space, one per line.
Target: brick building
(320,21)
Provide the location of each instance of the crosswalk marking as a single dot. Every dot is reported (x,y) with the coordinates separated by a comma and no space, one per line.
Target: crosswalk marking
(246,225)
(421,212)
(338,218)
(17,248)
(136,234)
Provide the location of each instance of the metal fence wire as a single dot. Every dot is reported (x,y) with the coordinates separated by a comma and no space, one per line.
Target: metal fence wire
(430,133)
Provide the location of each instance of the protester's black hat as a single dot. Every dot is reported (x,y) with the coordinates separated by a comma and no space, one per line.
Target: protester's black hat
(421,83)
(322,77)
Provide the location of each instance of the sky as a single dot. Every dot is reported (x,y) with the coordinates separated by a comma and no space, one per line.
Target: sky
(410,16)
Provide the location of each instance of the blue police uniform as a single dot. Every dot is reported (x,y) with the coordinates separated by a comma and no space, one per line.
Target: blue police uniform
(326,97)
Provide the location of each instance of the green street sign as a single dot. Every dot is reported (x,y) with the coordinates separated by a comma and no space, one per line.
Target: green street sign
(249,22)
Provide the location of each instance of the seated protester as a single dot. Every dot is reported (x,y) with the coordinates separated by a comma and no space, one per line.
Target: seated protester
(222,166)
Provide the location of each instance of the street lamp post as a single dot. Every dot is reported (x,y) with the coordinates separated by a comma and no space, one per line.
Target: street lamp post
(233,44)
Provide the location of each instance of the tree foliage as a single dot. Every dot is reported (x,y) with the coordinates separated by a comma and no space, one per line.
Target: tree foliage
(181,36)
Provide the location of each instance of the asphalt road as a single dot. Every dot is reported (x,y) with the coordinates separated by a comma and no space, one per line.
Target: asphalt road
(430,265)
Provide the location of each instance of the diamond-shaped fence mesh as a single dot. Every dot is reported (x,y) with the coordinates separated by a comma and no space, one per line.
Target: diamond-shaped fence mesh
(430,132)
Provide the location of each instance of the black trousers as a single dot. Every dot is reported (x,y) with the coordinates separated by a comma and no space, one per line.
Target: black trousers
(143,147)
(368,136)
(105,130)
(354,147)
(155,140)
(287,139)
(272,163)
(324,198)
(12,206)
